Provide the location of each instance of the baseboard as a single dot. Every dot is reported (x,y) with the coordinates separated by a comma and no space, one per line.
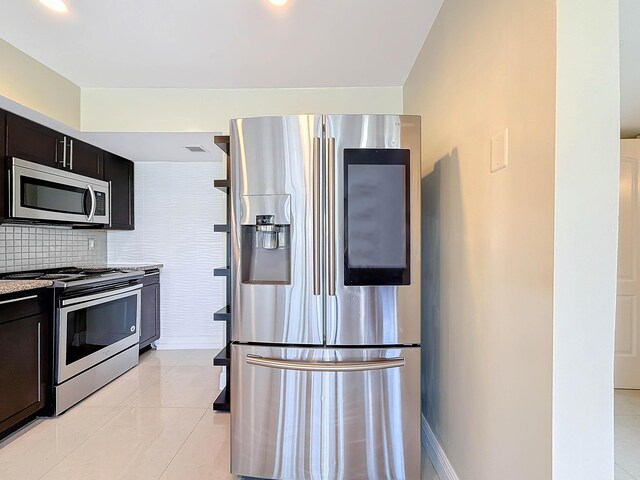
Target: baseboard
(436,453)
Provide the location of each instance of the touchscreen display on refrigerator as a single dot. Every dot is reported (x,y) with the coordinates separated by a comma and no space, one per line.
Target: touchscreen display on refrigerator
(376,216)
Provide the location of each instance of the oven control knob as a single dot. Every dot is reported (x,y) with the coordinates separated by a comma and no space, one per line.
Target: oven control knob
(133,329)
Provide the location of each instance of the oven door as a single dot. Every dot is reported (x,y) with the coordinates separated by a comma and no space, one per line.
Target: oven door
(49,194)
(93,328)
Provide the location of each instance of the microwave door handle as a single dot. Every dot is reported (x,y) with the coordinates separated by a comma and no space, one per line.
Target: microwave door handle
(93,202)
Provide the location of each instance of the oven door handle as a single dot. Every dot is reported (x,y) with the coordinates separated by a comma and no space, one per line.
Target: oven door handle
(93,202)
(107,294)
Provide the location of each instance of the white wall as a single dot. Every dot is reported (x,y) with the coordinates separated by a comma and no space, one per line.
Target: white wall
(586,228)
(488,238)
(176,208)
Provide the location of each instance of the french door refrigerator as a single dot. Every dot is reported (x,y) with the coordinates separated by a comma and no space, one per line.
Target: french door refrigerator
(325,222)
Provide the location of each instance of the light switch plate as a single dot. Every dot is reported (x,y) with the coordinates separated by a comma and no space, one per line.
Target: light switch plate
(500,151)
(91,243)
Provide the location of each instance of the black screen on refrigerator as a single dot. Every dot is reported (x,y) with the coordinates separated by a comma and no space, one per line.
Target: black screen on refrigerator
(377,228)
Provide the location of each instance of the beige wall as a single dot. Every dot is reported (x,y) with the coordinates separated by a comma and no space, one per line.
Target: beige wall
(586,228)
(488,238)
(184,110)
(30,83)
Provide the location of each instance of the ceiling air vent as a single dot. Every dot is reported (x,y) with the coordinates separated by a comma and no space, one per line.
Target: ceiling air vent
(196,149)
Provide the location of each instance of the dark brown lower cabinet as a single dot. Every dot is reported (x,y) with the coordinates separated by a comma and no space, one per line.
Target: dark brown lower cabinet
(150,309)
(25,322)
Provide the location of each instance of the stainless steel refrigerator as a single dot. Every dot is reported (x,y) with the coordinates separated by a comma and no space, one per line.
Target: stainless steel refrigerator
(325,369)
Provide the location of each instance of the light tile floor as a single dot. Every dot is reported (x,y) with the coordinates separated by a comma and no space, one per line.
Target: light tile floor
(627,434)
(154,422)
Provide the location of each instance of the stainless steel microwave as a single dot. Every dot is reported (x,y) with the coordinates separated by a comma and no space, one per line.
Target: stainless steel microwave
(42,194)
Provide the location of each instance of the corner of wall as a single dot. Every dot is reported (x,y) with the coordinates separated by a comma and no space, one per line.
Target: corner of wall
(436,453)
(31,84)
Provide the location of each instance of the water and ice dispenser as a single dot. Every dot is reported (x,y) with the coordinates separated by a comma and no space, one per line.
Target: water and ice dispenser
(266,239)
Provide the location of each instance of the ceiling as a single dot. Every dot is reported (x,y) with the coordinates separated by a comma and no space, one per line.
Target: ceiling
(223,43)
(251,44)
(630,68)
(157,147)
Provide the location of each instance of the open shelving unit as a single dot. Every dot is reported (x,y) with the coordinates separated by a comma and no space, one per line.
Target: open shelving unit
(223,358)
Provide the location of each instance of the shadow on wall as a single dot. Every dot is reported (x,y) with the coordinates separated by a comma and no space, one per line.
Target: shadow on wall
(443,239)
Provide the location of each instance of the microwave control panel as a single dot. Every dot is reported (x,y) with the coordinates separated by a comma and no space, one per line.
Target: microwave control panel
(100,203)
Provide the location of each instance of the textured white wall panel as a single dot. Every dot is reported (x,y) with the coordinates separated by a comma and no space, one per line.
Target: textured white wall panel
(176,208)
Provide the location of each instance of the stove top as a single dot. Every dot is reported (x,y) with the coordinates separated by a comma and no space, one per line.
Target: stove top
(75,276)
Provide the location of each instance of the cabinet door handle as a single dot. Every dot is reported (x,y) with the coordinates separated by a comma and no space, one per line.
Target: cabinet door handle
(14,300)
(110,204)
(64,152)
(39,360)
(71,154)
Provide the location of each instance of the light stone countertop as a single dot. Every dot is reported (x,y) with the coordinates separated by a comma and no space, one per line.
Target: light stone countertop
(141,266)
(12,286)
(125,266)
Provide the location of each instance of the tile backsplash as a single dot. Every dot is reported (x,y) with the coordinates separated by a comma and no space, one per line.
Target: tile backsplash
(29,248)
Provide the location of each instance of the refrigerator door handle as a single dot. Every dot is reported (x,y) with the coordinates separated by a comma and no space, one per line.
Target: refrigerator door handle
(331,206)
(316,216)
(358,366)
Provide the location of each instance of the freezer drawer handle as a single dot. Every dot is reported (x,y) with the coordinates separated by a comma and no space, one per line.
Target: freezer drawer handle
(377,364)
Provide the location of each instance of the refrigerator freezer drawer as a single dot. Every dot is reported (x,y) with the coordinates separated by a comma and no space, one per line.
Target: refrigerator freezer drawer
(326,414)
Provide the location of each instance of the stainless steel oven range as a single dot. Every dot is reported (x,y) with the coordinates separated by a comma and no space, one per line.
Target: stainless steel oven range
(97,328)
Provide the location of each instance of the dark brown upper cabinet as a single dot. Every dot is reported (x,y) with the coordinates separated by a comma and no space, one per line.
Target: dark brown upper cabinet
(84,159)
(27,140)
(4,194)
(120,172)
(30,141)
(3,133)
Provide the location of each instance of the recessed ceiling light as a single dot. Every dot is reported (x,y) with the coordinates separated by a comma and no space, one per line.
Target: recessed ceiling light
(278,3)
(57,5)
